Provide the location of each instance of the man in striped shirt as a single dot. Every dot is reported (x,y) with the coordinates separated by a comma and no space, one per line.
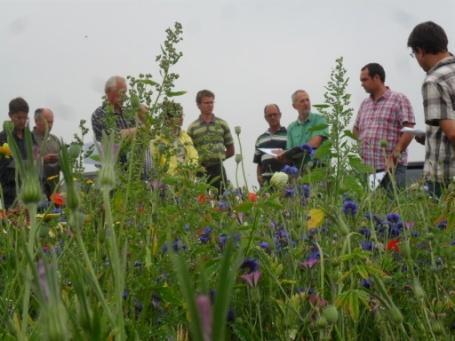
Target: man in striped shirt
(428,42)
(212,139)
(378,127)
(275,137)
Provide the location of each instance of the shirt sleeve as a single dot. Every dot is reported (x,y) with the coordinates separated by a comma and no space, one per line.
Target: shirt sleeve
(437,103)
(228,140)
(257,153)
(406,113)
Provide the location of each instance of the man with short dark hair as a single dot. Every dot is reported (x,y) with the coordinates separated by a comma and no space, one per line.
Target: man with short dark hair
(212,139)
(18,113)
(48,146)
(275,138)
(378,127)
(428,42)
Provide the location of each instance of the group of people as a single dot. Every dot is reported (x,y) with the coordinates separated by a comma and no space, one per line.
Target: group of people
(208,140)
(46,147)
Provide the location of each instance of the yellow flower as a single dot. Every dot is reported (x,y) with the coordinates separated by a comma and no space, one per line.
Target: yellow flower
(4,150)
(316,217)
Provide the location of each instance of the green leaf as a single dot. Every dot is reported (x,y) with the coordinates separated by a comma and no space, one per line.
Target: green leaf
(175,93)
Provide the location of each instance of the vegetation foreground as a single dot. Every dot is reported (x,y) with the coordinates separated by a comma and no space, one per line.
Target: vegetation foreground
(319,256)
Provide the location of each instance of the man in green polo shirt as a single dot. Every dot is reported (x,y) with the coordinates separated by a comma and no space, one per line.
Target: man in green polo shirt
(212,139)
(302,131)
(309,128)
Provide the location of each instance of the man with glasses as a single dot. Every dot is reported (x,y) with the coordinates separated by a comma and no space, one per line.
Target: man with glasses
(428,42)
(274,138)
(378,125)
(18,113)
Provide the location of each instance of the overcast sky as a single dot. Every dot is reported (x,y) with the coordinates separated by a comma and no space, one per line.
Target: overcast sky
(58,54)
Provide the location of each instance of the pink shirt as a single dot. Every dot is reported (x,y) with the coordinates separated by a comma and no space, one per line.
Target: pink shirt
(382,120)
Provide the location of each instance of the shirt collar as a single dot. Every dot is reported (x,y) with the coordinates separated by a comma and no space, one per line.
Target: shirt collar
(212,119)
(447,60)
(281,129)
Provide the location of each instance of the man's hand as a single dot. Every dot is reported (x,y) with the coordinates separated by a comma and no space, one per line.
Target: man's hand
(391,161)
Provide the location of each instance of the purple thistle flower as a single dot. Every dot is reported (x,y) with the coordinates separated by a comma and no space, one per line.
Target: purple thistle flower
(393,217)
(350,207)
(312,259)
(306,148)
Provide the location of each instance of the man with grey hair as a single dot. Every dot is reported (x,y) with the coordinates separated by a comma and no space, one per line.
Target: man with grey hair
(302,130)
(273,138)
(47,146)
(110,117)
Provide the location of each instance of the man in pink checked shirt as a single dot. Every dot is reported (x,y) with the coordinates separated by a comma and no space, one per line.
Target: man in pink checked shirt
(378,127)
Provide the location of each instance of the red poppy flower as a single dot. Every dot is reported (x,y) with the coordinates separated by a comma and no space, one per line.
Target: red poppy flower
(201,198)
(252,197)
(57,199)
(392,245)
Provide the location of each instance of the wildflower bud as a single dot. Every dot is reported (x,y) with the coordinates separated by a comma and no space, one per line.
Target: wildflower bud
(330,313)
(418,290)
(106,176)
(238,158)
(383,143)
(30,190)
(395,314)
(406,249)
(321,322)
(237,130)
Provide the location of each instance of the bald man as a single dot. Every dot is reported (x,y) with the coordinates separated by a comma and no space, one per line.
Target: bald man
(275,138)
(48,147)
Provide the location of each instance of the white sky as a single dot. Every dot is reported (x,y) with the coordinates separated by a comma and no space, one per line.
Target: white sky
(58,54)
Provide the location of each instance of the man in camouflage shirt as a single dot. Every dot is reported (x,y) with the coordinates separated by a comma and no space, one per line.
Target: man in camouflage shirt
(212,139)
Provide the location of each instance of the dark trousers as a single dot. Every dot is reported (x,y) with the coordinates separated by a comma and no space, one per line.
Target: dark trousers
(435,189)
(398,175)
(216,176)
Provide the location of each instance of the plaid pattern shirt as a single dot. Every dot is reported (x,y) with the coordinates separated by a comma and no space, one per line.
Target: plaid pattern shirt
(105,119)
(438,91)
(379,121)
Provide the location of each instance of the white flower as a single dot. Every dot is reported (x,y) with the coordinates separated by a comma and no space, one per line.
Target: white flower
(279,179)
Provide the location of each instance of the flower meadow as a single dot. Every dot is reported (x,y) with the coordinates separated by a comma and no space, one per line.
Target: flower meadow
(316,255)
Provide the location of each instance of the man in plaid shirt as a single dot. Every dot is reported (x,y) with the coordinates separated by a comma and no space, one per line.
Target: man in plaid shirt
(428,42)
(378,127)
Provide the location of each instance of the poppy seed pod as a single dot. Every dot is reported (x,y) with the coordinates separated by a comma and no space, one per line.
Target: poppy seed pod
(237,130)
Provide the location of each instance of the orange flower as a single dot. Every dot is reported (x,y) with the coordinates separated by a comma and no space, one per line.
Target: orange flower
(252,197)
(201,198)
(392,245)
(57,199)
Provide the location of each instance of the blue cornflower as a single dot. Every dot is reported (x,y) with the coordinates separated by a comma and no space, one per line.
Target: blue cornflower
(205,235)
(289,192)
(223,205)
(281,238)
(367,245)
(264,245)
(350,207)
(393,217)
(222,239)
(250,265)
(366,283)
(304,190)
(395,229)
(365,231)
(442,225)
(290,170)
(307,149)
